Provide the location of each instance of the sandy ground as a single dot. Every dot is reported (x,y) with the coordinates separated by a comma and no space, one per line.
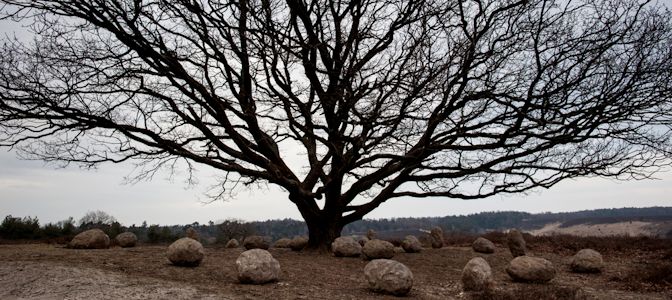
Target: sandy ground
(31,280)
(41,271)
(634,228)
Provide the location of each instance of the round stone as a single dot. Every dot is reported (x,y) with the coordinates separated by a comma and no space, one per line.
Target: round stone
(232,243)
(411,244)
(90,239)
(436,237)
(298,243)
(476,275)
(346,246)
(126,239)
(531,269)
(257,266)
(186,252)
(388,277)
(375,249)
(516,243)
(483,245)
(587,261)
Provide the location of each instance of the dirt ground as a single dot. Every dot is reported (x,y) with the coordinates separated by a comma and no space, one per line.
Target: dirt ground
(42,271)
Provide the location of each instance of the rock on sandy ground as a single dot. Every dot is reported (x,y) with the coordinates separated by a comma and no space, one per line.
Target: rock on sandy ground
(34,280)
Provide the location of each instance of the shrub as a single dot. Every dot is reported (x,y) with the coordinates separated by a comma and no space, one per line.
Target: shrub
(96,217)
(160,234)
(17,228)
(51,230)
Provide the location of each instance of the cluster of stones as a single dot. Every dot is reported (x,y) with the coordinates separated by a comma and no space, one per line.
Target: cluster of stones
(477,274)
(90,239)
(384,275)
(254,266)
(282,243)
(257,242)
(97,239)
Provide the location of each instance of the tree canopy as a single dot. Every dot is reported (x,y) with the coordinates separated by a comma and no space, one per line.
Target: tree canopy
(345,104)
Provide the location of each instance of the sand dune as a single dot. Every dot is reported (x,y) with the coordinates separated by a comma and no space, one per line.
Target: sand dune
(631,228)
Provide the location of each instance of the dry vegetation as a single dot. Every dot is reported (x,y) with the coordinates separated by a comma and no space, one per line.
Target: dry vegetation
(636,268)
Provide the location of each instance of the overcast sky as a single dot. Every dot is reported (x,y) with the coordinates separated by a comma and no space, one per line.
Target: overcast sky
(31,188)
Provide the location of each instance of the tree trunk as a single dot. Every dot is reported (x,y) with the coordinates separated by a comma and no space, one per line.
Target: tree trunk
(321,232)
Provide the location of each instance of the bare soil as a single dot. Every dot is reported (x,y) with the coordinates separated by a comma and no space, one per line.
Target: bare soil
(42,271)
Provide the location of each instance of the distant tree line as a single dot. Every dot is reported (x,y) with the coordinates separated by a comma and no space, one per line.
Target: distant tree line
(29,228)
(494,221)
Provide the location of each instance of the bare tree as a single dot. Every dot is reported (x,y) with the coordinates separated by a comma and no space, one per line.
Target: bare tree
(97,217)
(381,99)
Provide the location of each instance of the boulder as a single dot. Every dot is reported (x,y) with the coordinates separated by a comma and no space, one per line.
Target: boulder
(346,247)
(90,239)
(476,275)
(436,237)
(232,243)
(257,266)
(256,242)
(375,249)
(126,239)
(411,244)
(298,243)
(371,234)
(360,239)
(483,245)
(516,243)
(388,277)
(587,261)
(186,252)
(531,269)
(282,243)
(192,234)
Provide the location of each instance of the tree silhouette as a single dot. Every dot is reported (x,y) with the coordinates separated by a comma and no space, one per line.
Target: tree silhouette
(345,104)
